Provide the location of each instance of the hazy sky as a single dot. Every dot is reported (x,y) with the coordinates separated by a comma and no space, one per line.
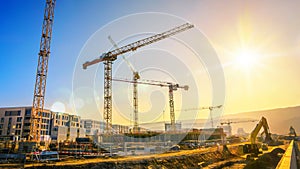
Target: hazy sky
(257,43)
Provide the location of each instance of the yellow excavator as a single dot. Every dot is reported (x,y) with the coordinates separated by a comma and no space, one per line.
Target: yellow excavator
(253,147)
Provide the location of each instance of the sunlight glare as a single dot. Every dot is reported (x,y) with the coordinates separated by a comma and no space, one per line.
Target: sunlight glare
(246,59)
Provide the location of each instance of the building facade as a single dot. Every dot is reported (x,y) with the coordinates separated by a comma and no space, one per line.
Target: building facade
(92,127)
(15,123)
(120,129)
(168,126)
(66,127)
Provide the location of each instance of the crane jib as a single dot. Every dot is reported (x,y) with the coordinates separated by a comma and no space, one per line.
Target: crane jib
(112,55)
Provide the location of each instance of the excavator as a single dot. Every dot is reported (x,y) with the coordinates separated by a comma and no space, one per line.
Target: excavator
(253,147)
(292,135)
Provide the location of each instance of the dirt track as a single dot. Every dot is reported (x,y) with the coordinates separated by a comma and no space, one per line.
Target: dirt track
(182,159)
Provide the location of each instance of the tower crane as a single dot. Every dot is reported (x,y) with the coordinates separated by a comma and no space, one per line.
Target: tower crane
(234,122)
(112,55)
(172,87)
(136,76)
(210,108)
(42,70)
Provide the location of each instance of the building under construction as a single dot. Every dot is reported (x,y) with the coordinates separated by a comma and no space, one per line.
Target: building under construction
(55,126)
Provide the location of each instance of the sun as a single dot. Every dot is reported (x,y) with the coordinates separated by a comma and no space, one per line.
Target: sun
(246,59)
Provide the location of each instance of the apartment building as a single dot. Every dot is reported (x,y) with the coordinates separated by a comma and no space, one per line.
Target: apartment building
(15,123)
(66,127)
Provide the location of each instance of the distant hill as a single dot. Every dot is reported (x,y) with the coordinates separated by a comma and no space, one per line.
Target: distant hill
(279,120)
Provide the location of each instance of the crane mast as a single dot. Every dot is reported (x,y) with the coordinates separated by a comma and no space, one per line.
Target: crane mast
(136,76)
(172,87)
(111,56)
(42,70)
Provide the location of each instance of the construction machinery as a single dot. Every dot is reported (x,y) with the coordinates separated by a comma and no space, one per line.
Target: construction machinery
(253,147)
(41,75)
(136,77)
(112,55)
(172,87)
(292,135)
(292,132)
(210,108)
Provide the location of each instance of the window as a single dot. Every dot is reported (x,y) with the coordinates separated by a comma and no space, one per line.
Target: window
(19,119)
(2,120)
(18,126)
(27,112)
(0,132)
(18,132)
(13,113)
(1,126)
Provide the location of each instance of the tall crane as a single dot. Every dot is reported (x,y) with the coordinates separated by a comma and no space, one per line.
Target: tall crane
(235,122)
(135,76)
(42,70)
(111,56)
(172,87)
(210,108)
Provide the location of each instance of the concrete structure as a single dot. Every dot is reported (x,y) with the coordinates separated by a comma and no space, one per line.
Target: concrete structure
(227,130)
(15,123)
(66,127)
(120,129)
(241,132)
(168,126)
(92,127)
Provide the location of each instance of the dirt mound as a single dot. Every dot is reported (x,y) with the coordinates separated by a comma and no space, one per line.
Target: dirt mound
(267,160)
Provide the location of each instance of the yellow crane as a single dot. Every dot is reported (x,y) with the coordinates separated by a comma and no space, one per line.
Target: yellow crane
(42,71)
(172,87)
(136,77)
(108,58)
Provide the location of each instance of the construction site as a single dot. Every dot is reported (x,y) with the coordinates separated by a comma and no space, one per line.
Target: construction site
(36,137)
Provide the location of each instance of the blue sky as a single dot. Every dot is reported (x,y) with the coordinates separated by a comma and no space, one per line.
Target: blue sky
(271,26)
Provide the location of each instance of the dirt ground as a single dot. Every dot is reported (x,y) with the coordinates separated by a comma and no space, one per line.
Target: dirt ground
(198,158)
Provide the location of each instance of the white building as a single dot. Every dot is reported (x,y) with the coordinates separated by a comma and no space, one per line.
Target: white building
(66,127)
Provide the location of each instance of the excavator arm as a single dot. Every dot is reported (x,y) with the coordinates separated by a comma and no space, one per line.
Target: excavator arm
(262,123)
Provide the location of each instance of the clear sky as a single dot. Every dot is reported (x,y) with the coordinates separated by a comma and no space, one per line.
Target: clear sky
(257,42)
